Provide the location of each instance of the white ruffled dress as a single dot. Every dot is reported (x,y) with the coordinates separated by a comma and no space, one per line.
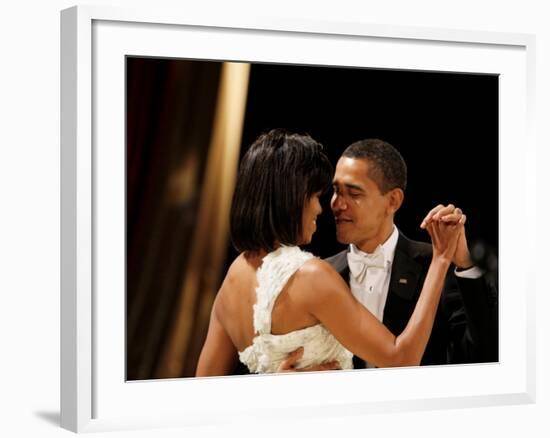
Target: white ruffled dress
(267,350)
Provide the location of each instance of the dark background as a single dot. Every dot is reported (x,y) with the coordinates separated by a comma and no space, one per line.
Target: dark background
(444,124)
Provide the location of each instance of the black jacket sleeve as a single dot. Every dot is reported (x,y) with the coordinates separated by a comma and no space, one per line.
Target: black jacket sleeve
(470,307)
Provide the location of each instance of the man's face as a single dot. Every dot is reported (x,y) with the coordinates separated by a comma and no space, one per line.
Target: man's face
(362,213)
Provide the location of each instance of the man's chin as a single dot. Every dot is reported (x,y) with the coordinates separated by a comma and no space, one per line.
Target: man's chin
(342,238)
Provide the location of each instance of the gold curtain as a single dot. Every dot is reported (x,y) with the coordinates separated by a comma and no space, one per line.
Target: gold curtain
(184,127)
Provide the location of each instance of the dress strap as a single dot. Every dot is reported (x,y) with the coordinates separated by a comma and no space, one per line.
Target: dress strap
(276,269)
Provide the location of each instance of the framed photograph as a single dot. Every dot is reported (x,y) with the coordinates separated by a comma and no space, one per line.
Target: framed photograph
(157,110)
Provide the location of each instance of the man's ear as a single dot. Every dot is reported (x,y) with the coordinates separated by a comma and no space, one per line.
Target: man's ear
(395,197)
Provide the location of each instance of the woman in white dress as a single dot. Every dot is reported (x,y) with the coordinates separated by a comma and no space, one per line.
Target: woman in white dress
(277,298)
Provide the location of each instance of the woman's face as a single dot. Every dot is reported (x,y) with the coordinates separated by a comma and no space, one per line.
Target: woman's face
(312,209)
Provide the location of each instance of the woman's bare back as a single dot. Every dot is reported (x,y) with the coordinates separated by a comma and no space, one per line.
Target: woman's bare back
(237,297)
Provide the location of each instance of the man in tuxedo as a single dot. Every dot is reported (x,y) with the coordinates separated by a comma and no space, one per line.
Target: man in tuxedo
(385,270)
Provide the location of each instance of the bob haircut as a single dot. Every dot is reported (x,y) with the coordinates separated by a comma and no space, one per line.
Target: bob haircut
(279,172)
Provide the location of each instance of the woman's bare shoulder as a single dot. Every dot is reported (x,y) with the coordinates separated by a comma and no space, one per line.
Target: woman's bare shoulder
(317,277)
(241,269)
(315,266)
(236,278)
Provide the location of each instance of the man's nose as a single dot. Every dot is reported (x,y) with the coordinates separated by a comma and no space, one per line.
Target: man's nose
(338,202)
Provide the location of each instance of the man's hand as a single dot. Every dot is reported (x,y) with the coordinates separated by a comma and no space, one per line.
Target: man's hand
(289,364)
(452,214)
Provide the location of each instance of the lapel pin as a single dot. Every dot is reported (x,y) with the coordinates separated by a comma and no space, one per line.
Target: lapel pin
(402,281)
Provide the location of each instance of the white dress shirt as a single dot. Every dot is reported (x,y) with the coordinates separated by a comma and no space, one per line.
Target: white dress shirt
(371,289)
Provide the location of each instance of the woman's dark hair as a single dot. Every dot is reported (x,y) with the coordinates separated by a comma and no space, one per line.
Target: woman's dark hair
(279,172)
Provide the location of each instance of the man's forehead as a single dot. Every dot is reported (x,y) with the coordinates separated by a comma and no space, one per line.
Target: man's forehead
(351,169)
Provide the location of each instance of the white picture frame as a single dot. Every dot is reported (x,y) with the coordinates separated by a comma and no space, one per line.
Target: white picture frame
(94,395)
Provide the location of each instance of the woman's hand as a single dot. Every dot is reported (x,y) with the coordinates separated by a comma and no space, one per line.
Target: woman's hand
(445,236)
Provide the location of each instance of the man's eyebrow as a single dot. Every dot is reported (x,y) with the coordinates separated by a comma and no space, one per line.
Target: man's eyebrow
(350,186)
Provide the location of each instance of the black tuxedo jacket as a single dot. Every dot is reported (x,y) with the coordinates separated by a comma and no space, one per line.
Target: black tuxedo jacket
(465,329)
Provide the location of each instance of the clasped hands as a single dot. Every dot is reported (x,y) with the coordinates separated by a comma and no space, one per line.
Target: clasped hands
(452,215)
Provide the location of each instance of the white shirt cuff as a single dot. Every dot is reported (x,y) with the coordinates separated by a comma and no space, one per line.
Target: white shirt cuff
(472,273)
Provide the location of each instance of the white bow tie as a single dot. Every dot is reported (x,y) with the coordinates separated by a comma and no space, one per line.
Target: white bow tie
(359,263)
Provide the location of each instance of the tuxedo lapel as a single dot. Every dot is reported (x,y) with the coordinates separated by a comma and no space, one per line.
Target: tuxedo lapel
(405,285)
(340,263)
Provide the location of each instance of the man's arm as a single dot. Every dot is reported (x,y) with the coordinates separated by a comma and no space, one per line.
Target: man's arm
(469,302)
(470,307)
